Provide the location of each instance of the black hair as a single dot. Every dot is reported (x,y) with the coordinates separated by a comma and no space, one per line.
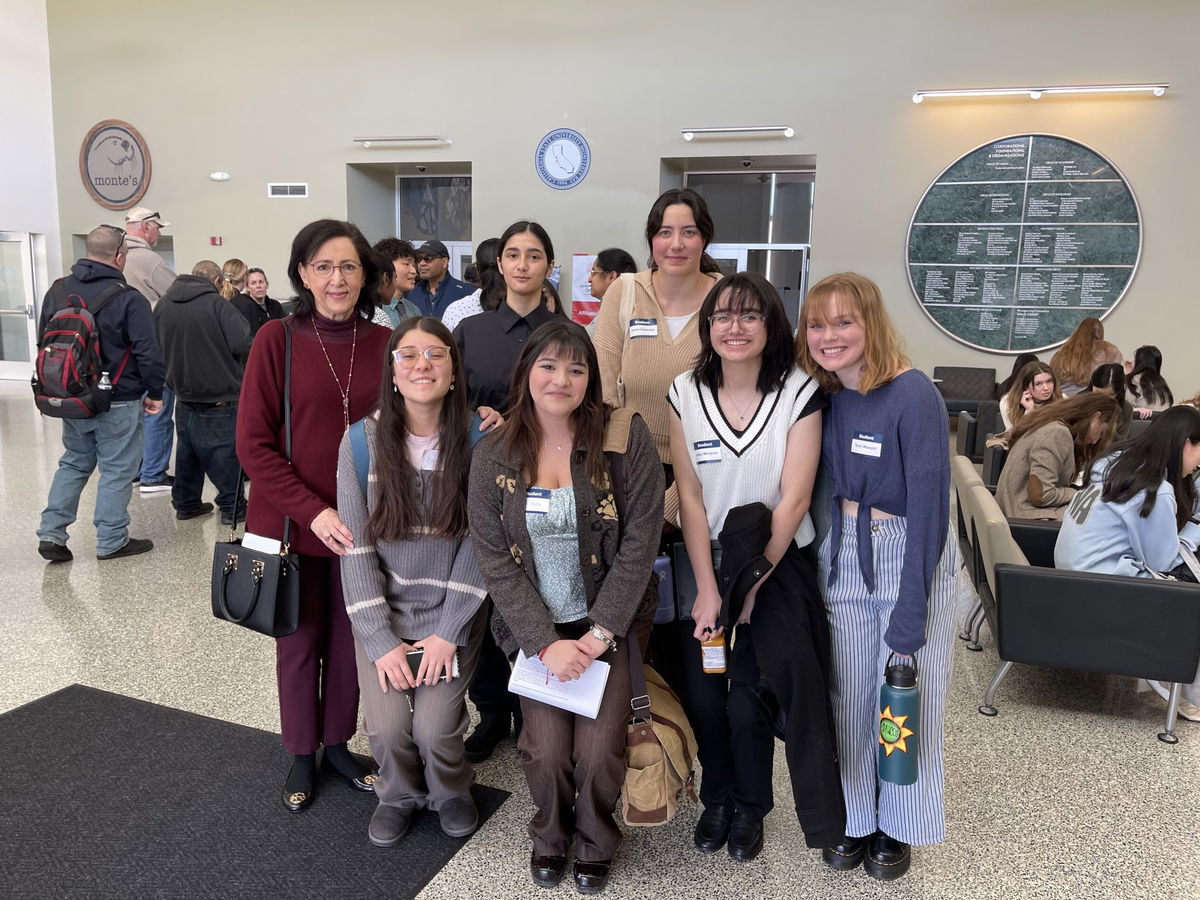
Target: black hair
(1021,361)
(1153,456)
(614,259)
(394,248)
(686,197)
(533,228)
(309,240)
(748,292)
(492,289)
(1150,385)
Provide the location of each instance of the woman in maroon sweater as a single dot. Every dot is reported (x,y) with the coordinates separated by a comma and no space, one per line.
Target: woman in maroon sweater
(336,353)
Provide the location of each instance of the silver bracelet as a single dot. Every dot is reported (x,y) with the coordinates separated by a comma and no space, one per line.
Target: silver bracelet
(601,636)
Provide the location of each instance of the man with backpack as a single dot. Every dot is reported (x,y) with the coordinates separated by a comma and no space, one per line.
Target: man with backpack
(105,433)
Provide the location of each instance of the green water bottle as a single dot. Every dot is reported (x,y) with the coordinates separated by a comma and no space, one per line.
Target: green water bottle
(899,722)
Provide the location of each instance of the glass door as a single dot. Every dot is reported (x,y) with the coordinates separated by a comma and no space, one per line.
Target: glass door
(18,330)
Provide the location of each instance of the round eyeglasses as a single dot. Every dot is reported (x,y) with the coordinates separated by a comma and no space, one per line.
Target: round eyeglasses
(407,357)
(723,321)
(325,269)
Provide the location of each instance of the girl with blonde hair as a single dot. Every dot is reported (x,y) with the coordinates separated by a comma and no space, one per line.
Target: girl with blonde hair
(1081,355)
(233,278)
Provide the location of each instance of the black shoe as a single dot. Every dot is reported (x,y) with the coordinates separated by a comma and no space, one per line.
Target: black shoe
(745,837)
(54,552)
(298,800)
(712,831)
(483,740)
(887,858)
(846,854)
(547,871)
(202,510)
(592,877)
(365,781)
(132,547)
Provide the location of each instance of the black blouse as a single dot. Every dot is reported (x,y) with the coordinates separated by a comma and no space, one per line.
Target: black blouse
(490,344)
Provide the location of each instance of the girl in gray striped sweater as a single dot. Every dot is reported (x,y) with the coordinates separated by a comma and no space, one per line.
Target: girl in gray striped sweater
(411,582)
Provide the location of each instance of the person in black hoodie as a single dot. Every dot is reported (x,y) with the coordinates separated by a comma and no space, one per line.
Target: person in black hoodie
(205,342)
(113,439)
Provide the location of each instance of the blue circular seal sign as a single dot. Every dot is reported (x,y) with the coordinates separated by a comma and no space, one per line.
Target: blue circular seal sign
(562,159)
(114,164)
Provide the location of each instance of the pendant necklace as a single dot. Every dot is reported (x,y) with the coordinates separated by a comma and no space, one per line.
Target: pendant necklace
(740,410)
(349,375)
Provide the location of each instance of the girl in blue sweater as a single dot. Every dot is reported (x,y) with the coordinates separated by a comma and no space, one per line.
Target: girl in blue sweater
(1138,509)
(887,569)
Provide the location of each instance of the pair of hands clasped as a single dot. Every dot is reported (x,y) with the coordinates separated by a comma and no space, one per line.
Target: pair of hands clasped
(392,668)
(567,660)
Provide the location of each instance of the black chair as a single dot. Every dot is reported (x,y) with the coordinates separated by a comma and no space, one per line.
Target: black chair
(962,387)
(1137,426)
(994,458)
(988,423)
(964,436)
(1036,538)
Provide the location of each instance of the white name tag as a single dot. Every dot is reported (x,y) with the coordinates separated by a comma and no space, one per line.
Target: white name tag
(537,500)
(706,452)
(866,444)
(643,328)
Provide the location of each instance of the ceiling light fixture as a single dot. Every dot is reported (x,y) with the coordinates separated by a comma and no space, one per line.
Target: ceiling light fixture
(1035,92)
(406,139)
(774,130)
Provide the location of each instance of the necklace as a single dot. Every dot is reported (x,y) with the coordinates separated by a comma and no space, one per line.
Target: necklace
(740,410)
(349,375)
(546,444)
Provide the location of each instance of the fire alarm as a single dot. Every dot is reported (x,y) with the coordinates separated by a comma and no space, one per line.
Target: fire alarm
(216,241)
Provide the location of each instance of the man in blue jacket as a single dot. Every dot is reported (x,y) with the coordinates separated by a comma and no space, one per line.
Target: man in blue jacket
(437,288)
(113,440)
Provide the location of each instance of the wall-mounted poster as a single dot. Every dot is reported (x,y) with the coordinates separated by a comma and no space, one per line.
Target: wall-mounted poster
(114,163)
(1020,239)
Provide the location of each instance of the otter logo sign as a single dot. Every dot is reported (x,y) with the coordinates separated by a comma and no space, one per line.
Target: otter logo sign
(114,164)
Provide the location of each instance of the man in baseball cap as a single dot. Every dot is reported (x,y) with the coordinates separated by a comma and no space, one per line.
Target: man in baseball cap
(437,288)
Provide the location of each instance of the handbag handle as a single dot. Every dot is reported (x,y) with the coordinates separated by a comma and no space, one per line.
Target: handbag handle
(287,444)
(256,576)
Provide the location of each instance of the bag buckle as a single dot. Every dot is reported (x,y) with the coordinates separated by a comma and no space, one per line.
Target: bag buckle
(256,570)
(230,563)
(640,705)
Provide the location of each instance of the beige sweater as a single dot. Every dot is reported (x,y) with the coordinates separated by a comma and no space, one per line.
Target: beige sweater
(1048,455)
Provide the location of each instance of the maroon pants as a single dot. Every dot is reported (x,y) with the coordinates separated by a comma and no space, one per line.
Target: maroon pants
(318,678)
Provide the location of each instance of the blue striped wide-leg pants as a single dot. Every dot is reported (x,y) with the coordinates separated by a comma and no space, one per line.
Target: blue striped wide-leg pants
(914,814)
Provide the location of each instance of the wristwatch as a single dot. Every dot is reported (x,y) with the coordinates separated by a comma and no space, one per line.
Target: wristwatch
(603,638)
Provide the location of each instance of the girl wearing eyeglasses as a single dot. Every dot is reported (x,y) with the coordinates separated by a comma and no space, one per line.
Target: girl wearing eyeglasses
(413,583)
(746,429)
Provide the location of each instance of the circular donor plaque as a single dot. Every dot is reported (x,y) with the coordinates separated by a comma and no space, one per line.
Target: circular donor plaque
(1020,239)
(114,164)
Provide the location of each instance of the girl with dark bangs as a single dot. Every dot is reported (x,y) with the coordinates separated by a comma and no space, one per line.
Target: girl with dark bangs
(566,509)
(1137,509)
(412,583)
(745,442)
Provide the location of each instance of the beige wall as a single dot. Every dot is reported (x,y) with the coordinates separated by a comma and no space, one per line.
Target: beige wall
(282,102)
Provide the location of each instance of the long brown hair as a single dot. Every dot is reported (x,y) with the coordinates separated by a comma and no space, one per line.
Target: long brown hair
(883,356)
(399,514)
(1076,359)
(1076,413)
(522,431)
(1024,382)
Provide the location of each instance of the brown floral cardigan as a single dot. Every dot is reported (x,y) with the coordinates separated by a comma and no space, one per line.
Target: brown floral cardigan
(615,562)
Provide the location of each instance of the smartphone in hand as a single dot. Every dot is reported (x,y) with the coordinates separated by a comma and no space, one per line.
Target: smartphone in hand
(414,658)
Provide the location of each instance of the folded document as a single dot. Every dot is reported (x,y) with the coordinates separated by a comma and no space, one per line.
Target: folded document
(533,680)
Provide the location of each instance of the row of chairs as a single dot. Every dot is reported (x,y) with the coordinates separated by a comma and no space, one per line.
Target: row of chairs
(1042,616)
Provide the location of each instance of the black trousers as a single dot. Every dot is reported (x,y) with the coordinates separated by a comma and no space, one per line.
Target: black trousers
(489,685)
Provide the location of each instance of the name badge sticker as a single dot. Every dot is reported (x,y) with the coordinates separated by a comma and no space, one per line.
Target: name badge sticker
(866,444)
(537,501)
(640,328)
(706,452)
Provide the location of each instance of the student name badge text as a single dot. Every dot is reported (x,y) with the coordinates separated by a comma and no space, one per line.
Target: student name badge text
(537,500)
(865,444)
(706,452)
(643,328)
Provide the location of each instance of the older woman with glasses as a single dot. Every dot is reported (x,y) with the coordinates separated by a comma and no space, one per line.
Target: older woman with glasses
(335,354)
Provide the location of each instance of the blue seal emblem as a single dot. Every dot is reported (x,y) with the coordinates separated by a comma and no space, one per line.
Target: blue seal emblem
(562,159)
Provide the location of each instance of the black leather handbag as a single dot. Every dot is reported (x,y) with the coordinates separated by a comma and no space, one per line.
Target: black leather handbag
(251,588)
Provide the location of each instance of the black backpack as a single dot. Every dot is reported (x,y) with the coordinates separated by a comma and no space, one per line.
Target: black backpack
(67,374)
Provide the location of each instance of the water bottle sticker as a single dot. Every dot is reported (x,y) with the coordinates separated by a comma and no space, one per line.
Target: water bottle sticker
(893,733)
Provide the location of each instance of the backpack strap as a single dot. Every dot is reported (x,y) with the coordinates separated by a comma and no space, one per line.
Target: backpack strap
(105,295)
(616,431)
(358,446)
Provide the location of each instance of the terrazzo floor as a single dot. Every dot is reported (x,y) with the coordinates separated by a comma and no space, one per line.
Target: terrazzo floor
(1066,794)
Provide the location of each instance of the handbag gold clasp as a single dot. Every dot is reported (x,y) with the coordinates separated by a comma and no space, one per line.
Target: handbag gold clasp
(230,563)
(256,570)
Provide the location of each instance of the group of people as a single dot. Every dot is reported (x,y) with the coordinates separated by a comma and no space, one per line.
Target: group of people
(512,486)
(459,494)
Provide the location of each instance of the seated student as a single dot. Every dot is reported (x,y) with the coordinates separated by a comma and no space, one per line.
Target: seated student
(1034,386)
(1019,363)
(1145,387)
(1078,358)
(1140,503)
(412,583)
(1049,447)
(1110,379)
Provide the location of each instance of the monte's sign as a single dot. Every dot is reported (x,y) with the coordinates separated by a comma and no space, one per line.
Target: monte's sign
(114,164)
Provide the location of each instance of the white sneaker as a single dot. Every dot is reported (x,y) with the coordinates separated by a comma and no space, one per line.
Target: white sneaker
(1189,711)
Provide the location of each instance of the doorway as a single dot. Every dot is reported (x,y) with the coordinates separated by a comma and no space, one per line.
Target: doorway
(18,327)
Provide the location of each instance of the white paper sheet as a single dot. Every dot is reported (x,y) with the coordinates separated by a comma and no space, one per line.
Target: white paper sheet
(533,680)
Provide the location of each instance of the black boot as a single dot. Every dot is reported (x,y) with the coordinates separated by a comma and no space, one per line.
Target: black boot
(887,858)
(483,740)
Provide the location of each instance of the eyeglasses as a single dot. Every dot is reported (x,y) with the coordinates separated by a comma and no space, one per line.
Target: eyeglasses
(325,269)
(724,321)
(407,357)
(120,231)
(596,272)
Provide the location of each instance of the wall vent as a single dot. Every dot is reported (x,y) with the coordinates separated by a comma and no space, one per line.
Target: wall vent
(278,189)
